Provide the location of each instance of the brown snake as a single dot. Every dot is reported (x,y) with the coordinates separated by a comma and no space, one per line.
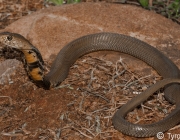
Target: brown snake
(112,42)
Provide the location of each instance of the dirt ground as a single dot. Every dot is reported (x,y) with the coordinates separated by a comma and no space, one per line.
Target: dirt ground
(83,105)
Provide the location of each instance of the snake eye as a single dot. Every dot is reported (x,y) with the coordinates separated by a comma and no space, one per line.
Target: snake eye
(9,38)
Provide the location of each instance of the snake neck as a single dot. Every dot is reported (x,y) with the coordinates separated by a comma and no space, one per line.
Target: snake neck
(34,65)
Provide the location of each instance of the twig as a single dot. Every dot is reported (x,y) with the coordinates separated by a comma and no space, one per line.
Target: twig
(92,77)
(142,108)
(11,134)
(89,131)
(138,121)
(82,100)
(95,94)
(82,133)
(121,62)
(146,107)
(99,110)
(133,82)
(98,124)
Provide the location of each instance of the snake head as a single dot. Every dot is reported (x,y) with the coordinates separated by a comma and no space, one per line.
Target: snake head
(14,40)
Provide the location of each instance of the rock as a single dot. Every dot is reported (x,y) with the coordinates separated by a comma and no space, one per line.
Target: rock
(52,28)
(7,68)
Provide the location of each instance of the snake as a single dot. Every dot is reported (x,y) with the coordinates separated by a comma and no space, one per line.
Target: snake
(106,41)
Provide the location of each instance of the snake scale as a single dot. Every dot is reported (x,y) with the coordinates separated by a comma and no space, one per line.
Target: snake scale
(111,42)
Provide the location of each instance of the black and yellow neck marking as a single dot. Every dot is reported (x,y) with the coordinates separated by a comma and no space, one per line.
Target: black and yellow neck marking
(34,64)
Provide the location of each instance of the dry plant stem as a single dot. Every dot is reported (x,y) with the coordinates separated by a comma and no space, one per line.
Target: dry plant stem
(88,131)
(138,121)
(94,94)
(146,107)
(100,110)
(126,69)
(85,113)
(81,103)
(11,134)
(142,107)
(82,133)
(98,124)
(133,82)
(102,68)
(92,77)
(116,74)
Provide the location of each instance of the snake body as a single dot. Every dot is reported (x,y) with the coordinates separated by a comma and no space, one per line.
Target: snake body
(111,42)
